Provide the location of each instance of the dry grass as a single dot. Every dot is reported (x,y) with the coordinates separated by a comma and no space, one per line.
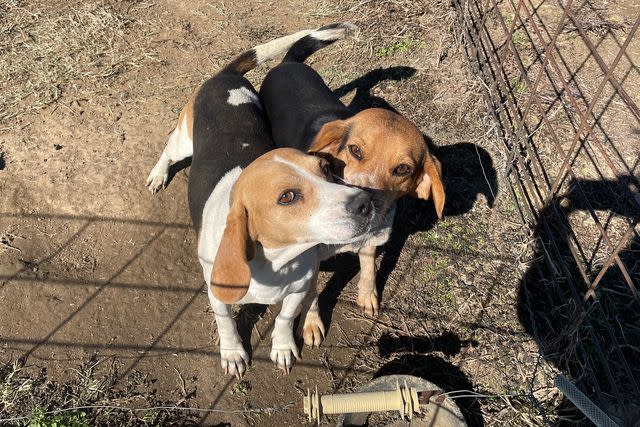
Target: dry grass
(449,304)
(596,19)
(47,50)
(27,391)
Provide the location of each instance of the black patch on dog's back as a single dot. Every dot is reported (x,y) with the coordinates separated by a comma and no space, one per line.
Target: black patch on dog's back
(224,136)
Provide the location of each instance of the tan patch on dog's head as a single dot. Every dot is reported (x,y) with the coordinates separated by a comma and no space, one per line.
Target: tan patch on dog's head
(280,186)
(382,150)
(271,203)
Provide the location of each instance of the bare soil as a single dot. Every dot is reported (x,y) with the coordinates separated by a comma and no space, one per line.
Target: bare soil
(96,272)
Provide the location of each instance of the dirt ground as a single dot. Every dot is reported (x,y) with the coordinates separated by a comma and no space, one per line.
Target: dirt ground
(101,294)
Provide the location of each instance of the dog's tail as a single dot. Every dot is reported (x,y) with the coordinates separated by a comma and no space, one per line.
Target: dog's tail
(299,45)
(322,37)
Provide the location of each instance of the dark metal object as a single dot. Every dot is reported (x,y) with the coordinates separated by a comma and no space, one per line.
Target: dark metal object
(424,397)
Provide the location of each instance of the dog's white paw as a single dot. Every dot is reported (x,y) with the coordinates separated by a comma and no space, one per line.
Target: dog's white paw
(313,330)
(156,183)
(158,177)
(368,302)
(234,361)
(282,350)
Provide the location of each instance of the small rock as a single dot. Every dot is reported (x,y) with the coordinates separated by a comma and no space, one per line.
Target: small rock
(57,147)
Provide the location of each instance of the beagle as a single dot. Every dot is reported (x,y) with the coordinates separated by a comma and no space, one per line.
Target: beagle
(260,213)
(374,149)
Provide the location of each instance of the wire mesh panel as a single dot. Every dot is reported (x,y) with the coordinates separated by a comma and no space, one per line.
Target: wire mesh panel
(563,85)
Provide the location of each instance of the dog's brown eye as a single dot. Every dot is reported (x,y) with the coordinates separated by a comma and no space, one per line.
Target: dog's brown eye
(288,197)
(355,151)
(402,170)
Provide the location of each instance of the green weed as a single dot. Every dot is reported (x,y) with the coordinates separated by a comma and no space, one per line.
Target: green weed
(404,45)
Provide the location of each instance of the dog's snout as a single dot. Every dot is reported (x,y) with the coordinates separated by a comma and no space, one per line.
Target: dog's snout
(360,204)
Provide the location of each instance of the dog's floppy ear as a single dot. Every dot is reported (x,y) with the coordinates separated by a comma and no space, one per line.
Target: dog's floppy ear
(429,184)
(231,275)
(329,138)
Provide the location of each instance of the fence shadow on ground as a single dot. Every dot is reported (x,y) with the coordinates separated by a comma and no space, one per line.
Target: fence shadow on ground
(601,334)
(471,174)
(70,352)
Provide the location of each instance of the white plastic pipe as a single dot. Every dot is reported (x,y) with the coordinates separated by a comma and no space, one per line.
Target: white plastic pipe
(403,399)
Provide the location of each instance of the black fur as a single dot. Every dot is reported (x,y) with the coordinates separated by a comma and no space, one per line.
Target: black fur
(219,131)
(296,99)
(307,46)
(298,103)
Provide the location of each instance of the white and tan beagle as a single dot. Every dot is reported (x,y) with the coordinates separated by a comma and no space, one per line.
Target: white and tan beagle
(260,213)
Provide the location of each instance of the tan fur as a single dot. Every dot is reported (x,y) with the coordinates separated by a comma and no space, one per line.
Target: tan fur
(431,184)
(256,216)
(187,114)
(386,140)
(231,275)
(367,292)
(262,182)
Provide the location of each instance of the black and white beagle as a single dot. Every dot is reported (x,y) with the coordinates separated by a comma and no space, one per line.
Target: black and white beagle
(260,213)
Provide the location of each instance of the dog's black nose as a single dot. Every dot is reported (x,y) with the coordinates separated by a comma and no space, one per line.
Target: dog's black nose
(360,204)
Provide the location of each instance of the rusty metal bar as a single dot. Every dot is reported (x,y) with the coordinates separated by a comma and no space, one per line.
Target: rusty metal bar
(584,118)
(502,86)
(503,82)
(553,41)
(591,210)
(614,82)
(605,267)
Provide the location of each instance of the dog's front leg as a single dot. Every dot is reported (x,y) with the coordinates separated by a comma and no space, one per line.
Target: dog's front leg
(367,291)
(283,345)
(233,358)
(311,327)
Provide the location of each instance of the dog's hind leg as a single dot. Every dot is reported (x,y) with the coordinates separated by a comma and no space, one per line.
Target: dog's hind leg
(179,147)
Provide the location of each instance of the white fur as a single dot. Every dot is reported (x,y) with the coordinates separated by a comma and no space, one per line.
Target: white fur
(335,33)
(242,95)
(274,272)
(276,275)
(267,51)
(376,237)
(283,274)
(179,147)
